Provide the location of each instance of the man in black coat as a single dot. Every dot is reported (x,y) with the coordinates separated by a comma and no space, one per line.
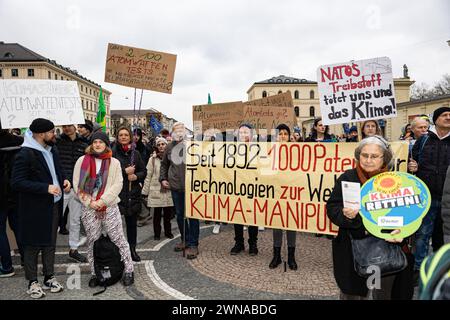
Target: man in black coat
(71,146)
(431,158)
(9,146)
(38,179)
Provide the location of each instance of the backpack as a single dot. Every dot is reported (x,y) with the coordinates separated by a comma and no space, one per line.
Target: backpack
(435,276)
(107,262)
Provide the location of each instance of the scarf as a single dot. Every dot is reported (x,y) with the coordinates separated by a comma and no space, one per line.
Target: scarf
(90,181)
(364,175)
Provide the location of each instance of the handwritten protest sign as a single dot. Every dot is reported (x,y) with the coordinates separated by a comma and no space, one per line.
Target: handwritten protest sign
(220,116)
(356,91)
(394,200)
(283,186)
(266,114)
(268,117)
(140,68)
(279,100)
(22,101)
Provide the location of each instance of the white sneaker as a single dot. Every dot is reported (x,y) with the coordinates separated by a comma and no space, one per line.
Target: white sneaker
(82,242)
(261,228)
(35,291)
(216,229)
(53,285)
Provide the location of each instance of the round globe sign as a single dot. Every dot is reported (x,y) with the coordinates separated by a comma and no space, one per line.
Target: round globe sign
(394,200)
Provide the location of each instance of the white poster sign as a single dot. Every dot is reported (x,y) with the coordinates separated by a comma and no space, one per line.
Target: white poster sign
(22,101)
(356,91)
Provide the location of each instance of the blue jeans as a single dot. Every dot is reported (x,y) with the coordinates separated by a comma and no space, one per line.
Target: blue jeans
(191,230)
(7,214)
(425,232)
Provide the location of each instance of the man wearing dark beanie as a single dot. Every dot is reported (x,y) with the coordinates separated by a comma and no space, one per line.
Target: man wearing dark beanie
(431,158)
(85,130)
(38,179)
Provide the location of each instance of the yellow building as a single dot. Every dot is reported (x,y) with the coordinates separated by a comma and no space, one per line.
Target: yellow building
(305,96)
(18,62)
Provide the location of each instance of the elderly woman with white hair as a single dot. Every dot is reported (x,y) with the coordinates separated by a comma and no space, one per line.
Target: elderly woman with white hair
(158,198)
(373,156)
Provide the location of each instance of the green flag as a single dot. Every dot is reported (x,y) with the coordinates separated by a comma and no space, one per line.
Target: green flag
(101,113)
(209,99)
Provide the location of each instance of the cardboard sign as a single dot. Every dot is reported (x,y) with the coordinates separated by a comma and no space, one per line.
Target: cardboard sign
(229,116)
(279,100)
(140,68)
(394,200)
(268,117)
(22,101)
(356,91)
(274,185)
(220,116)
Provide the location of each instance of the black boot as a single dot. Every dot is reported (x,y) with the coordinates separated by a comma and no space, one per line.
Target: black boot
(291,259)
(276,258)
(134,256)
(128,279)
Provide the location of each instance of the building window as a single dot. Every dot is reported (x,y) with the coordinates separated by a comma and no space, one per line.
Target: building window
(14,72)
(82,103)
(296,95)
(311,94)
(311,111)
(90,92)
(297,111)
(86,89)
(62,78)
(280,92)
(1,73)
(264,95)
(49,75)
(31,72)
(56,76)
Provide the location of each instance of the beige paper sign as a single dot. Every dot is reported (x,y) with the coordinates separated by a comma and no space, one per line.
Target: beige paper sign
(140,68)
(274,185)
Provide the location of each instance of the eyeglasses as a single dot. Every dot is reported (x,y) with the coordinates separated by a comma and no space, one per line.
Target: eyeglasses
(371,156)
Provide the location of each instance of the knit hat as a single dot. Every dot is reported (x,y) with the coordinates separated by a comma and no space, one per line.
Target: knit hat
(353,129)
(41,125)
(88,125)
(284,127)
(438,112)
(101,136)
(160,139)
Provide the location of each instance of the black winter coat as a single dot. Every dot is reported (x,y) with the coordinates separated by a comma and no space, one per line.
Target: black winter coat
(346,277)
(344,272)
(31,178)
(130,200)
(9,147)
(434,161)
(69,152)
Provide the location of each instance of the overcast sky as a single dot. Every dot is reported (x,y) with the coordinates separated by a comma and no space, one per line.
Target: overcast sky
(223,47)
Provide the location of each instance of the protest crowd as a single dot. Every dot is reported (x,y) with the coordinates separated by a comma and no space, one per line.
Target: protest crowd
(83,182)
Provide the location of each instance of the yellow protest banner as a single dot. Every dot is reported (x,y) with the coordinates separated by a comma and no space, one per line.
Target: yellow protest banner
(274,185)
(140,68)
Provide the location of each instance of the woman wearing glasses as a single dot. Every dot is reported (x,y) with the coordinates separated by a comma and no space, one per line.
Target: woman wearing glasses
(373,156)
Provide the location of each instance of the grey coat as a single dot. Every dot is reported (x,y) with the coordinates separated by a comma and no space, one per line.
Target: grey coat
(173,165)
